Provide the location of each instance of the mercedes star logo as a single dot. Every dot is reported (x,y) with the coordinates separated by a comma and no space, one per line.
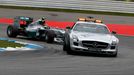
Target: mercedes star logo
(95,44)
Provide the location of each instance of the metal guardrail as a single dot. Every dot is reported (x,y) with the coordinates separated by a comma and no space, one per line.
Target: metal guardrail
(96,5)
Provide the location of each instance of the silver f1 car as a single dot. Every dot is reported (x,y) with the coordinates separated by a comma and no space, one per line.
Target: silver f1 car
(90,36)
(25,26)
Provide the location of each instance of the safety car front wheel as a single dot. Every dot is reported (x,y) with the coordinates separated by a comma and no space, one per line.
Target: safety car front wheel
(67,48)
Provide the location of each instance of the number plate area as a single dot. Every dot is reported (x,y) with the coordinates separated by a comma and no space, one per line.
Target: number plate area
(94,49)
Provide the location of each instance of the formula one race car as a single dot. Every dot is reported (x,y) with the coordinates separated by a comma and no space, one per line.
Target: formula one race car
(90,35)
(25,26)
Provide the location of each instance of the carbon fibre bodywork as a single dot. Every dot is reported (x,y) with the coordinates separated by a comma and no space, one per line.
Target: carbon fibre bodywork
(25,26)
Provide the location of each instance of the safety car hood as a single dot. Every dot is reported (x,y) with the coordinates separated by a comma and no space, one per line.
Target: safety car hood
(108,38)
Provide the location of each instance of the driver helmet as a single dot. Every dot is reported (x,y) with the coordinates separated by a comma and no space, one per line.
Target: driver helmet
(43,18)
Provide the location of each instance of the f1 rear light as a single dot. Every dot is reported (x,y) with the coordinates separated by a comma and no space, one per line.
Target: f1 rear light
(22,22)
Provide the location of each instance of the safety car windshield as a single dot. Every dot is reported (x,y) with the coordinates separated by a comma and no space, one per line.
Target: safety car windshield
(92,28)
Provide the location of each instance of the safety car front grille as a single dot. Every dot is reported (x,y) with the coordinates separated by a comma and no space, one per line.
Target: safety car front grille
(95,44)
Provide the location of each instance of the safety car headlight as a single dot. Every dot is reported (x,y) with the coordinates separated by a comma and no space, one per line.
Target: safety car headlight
(114,43)
(75,38)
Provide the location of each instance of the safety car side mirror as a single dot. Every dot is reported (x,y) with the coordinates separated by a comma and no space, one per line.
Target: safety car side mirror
(68,27)
(113,32)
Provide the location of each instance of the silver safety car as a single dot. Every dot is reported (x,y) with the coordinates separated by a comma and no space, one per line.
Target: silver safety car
(90,35)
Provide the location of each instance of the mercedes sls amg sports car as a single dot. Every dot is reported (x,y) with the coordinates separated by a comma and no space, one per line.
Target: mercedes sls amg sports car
(90,35)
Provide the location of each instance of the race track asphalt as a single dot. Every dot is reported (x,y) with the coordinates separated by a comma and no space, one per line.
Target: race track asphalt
(53,61)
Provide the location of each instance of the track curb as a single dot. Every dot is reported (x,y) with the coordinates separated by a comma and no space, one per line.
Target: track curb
(28,46)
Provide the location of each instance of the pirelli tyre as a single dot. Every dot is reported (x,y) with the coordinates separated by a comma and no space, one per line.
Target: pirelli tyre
(12,31)
(66,46)
(49,38)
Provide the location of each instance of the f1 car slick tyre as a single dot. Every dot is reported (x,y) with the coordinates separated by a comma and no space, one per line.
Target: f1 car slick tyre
(50,36)
(12,31)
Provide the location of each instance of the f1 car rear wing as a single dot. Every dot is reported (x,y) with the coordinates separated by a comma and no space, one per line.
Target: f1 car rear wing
(23,20)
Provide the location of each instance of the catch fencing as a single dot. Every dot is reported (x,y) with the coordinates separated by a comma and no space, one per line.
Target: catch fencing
(96,5)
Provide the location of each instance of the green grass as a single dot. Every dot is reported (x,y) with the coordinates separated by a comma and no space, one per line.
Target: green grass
(69,10)
(4,44)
